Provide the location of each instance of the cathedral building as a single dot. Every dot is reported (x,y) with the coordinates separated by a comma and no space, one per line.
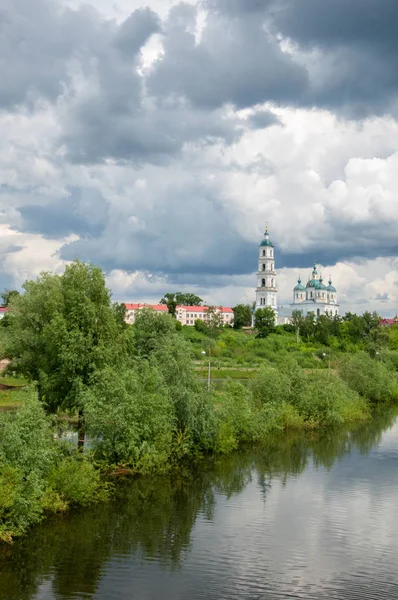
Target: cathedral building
(315,297)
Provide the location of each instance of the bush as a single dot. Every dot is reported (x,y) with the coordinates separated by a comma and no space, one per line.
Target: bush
(270,387)
(75,481)
(234,416)
(369,377)
(129,414)
(326,399)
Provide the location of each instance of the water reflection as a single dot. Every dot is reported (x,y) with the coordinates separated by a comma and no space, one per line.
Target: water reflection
(305,516)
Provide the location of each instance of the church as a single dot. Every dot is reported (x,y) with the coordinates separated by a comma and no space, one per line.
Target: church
(315,297)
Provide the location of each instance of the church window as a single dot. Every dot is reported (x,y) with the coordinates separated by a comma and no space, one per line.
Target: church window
(263,252)
(318,312)
(263,267)
(263,282)
(311,294)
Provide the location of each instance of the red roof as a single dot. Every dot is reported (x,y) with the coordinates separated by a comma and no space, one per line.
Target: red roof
(223,309)
(388,321)
(157,307)
(3,309)
(163,307)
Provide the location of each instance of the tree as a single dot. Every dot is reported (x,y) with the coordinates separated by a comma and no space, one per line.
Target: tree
(61,330)
(297,322)
(8,296)
(264,321)
(187,299)
(213,322)
(308,325)
(171,303)
(242,316)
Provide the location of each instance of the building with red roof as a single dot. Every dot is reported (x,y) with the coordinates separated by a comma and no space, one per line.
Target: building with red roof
(389,322)
(186,315)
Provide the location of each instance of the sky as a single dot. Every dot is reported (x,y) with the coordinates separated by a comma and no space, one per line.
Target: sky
(157,138)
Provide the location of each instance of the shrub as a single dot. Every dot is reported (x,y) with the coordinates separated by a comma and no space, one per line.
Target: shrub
(270,387)
(369,377)
(75,481)
(326,399)
(129,414)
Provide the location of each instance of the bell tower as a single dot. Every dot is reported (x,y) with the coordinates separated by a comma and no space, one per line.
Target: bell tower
(266,291)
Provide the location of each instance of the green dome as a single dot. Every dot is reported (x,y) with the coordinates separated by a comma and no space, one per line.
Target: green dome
(330,287)
(313,283)
(299,287)
(321,285)
(266,241)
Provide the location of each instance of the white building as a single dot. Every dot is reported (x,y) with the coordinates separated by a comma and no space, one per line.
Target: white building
(266,291)
(187,315)
(315,297)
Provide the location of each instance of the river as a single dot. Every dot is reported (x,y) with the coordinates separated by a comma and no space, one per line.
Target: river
(305,516)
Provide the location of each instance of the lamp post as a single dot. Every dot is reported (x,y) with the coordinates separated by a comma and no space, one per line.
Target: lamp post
(208,375)
(324,356)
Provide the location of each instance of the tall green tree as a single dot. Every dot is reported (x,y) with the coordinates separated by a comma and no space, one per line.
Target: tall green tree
(62,329)
(8,295)
(297,321)
(187,299)
(242,316)
(264,321)
(213,322)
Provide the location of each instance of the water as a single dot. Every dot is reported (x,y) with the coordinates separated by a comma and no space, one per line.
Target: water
(308,516)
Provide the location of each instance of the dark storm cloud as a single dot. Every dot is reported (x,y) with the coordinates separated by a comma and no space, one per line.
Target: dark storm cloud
(189,232)
(262,119)
(345,241)
(154,135)
(37,41)
(84,212)
(136,30)
(357,71)
(234,62)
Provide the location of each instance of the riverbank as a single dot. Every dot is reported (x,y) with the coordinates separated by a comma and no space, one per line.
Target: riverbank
(41,474)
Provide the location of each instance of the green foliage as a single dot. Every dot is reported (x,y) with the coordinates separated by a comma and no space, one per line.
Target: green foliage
(129,415)
(326,399)
(264,321)
(62,330)
(297,321)
(242,316)
(201,326)
(369,377)
(179,298)
(213,322)
(75,481)
(8,296)
(35,476)
(150,330)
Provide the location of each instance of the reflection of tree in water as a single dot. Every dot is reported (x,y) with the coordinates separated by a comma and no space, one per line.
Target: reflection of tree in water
(154,516)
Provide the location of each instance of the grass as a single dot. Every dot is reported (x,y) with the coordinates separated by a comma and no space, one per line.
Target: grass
(13,381)
(9,398)
(220,373)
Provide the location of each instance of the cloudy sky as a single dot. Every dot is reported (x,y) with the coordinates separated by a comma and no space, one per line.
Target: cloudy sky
(156,138)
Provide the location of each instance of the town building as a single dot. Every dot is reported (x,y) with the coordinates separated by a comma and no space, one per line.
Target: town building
(186,315)
(266,291)
(389,322)
(315,297)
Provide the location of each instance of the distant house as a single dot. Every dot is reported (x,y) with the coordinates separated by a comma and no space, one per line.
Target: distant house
(187,315)
(389,322)
(3,310)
